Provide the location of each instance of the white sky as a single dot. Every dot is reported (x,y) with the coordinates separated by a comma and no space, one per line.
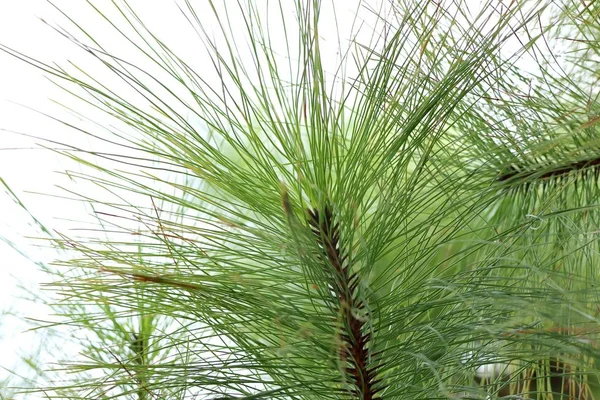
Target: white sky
(23,170)
(27,169)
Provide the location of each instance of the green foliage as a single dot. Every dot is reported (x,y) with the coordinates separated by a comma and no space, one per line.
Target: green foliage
(269,230)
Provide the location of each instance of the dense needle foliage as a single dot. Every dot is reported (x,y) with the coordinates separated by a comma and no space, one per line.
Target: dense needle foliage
(270,227)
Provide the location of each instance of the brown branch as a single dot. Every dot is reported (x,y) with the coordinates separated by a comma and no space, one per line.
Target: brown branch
(354,351)
(558,171)
(136,276)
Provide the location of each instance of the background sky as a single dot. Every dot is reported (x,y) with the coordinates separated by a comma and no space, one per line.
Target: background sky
(24,167)
(34,172)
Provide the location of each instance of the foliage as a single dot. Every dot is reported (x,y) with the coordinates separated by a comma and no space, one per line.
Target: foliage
(270,229)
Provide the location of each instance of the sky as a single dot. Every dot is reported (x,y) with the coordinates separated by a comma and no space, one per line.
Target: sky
(28,106)
(24,167)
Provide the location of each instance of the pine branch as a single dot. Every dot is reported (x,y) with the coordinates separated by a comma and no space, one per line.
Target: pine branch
(356,346)
(558,171)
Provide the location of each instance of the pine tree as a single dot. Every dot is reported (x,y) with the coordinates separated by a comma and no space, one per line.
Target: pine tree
(394,228)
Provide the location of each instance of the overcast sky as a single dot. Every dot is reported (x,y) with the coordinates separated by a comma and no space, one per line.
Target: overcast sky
(24,168)
(28,168)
